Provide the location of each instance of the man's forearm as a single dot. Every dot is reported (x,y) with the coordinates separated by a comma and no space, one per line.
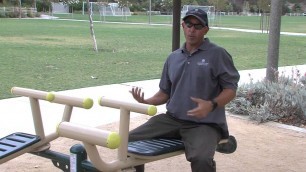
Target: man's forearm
(225,97)
(158,99)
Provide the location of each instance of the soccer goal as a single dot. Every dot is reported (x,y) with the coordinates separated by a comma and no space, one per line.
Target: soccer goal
(108,9)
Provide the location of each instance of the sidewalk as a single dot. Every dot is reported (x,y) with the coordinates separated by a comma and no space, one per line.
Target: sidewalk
(16,112)
(48,17)
(259,31)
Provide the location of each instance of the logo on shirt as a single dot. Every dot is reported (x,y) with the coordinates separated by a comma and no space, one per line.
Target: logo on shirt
(202,63)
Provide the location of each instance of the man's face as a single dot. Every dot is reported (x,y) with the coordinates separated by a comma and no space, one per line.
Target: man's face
(194,31)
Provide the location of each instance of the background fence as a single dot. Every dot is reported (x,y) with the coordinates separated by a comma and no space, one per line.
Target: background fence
(14,12)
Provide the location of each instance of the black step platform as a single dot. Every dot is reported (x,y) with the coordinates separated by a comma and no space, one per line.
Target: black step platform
(154,147)
(16,142)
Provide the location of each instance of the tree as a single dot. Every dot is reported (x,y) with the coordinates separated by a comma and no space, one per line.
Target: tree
(220,5)
(189,2)
(166,6)
(297,8)
(20,10)
(254,8)
(123,3)
(263,5)
(92,32)
(229,7)
(274,37)
(203,2)
(246,7)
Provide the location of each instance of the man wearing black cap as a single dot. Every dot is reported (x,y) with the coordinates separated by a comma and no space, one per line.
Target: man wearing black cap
(197,81)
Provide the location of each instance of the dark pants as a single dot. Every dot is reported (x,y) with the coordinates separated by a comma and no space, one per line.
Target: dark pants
(200,140)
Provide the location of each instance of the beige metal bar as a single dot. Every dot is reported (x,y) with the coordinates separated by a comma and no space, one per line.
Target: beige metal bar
(134,107)
(37,119)
(111,166)
(67,113)
(117,165)
(89,134)
(86,103)
(124,134)
(33,93)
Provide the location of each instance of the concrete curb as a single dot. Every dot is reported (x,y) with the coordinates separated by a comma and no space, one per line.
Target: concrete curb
(270,123)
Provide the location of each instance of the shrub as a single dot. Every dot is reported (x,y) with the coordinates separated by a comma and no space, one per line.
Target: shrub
(30,13)
(281,101)
(43,6)
(13,14)
(37,14)
(2,14)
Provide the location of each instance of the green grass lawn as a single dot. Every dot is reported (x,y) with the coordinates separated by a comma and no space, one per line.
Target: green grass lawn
(289,23)
(57,55)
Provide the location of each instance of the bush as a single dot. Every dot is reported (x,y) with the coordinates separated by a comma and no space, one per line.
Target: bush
(30,13)
(77,6)
(37,14)
(281,101)
(2,14)
(13,14)
(43,6)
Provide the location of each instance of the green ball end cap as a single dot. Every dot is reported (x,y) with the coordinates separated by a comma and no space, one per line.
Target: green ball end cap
(87,103)
(50,97)
(99,100)
(152,110)
(113,140)
(57,128)
(12,90)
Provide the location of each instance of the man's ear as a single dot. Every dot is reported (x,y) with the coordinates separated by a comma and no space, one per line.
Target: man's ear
(183,24)
(206,29)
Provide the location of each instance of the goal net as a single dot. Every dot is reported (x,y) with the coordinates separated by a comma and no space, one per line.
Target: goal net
(110,9)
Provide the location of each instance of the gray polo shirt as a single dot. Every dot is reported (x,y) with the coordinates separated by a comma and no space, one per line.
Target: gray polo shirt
(202,74)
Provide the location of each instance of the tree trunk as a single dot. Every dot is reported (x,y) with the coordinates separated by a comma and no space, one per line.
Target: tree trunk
(176,25)
(274,37)
(20,9)
(91,27)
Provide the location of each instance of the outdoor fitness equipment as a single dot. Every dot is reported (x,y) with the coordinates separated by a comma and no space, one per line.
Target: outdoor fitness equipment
(133,154)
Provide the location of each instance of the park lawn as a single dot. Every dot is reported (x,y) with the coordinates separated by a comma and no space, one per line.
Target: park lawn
(288,23)
(57,55)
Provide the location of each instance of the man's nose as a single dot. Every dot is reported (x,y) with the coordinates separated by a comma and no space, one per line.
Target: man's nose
(192,28)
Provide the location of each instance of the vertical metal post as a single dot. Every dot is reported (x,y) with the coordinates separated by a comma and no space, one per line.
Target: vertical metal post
(124,133)
(67,113)
(150,9)
(77,155)
(83,8)
(176,26)
(37,119)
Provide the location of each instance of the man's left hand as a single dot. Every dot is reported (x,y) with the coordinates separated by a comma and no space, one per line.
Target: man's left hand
(202,110)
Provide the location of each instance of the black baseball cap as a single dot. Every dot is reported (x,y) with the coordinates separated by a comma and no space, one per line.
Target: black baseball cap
(199,14)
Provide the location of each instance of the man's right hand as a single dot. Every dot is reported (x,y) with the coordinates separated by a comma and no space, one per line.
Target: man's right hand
(138,94)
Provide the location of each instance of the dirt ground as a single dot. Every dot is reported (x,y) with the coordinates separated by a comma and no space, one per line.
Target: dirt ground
(260,148)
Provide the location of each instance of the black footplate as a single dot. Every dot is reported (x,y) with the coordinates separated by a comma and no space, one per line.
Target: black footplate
(16,142)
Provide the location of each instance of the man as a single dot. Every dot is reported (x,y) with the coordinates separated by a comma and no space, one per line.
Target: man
(197,81)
